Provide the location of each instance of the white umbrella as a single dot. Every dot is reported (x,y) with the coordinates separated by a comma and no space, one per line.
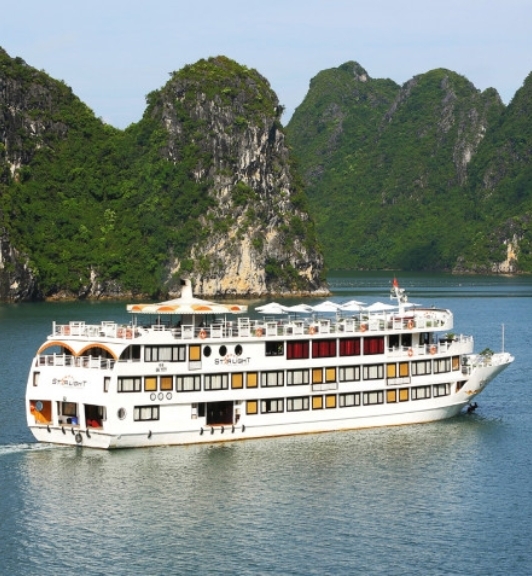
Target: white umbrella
(379,307)
(352,306)
(272,308)
(326,306)
(301,308)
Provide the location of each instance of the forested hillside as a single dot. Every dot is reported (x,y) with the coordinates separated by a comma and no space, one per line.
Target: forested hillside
(432,175)
(201,186)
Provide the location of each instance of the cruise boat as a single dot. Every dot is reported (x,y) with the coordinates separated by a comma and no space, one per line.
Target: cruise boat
(189,371)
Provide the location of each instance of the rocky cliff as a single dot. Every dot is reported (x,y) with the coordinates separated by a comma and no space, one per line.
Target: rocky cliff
(201,186)
(260,238)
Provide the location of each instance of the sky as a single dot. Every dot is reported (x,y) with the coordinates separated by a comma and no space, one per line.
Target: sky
(112,53)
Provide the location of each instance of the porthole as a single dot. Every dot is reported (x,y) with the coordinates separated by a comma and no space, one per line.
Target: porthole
(238,350)
(207,351)
(223,350)
(121,413)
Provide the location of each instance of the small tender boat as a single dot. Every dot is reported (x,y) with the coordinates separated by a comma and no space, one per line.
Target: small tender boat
(191,371)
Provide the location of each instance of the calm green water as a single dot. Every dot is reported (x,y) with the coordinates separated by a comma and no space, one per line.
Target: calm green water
(453,497)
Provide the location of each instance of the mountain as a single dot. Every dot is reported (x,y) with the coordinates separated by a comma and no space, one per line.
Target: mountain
(203,186)
(431,175)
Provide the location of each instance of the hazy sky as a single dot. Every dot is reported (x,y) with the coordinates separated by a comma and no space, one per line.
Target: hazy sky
(114,52)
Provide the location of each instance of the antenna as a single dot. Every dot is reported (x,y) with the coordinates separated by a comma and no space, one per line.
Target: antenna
(503,337)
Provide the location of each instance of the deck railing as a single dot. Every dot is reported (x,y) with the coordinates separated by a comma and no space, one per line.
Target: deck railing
(75,361)
(429,319)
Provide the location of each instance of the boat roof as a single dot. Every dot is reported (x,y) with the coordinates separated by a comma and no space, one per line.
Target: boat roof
(186,304)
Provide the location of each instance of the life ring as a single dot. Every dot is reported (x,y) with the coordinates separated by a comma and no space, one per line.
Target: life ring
(66,330)
(120,332)
(129,333)
(363,328)
(410,324)
(312,330)
(258,332)
(203,334)
(410,352)
(433,349)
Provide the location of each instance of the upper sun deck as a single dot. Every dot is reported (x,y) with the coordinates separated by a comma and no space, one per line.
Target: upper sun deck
(416,319)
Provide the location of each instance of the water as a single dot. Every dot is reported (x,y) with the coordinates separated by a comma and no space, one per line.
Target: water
(453,497)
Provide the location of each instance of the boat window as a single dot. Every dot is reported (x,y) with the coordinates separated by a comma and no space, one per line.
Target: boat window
(297,404)
(350,347)
(373,372)
(251,380)
(441,390)
(252,407)
(296,377)
(403,369)
(222,350)
(317,402)
(69,409)
(274,378)
(324,348)
(349,373)
(274,348)
(420,392)
(391,370)
(216,381)
(41,410)
(317,375)
(456,362)
(373,345)
(351,399)
(238,350)
(36,376)
(144,413)
(129,384)
(330,374)
(403,394)
(188,383)
(391,396)
(297,349)
(442,365)
(194,353)
(421,367)
(166,383)
(237,380)
(150,383)
(330,401)
(207,351)
(376,397)
(271,406)
(164,353)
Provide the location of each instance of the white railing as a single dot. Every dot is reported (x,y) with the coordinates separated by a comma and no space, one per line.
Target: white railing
(75,361)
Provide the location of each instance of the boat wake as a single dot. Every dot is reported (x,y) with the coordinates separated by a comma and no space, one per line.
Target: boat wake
(7,449)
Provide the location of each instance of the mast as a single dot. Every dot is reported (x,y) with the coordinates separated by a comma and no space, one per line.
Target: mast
(398,294)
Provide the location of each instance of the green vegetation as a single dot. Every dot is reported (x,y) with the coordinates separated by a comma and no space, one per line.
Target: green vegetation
(80,197)
(408,178)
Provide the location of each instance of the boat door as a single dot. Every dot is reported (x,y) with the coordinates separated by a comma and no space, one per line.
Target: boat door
(219,413)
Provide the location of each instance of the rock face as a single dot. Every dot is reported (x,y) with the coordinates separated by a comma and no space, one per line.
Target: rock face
(202,187)
(17,282)
(258,236)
